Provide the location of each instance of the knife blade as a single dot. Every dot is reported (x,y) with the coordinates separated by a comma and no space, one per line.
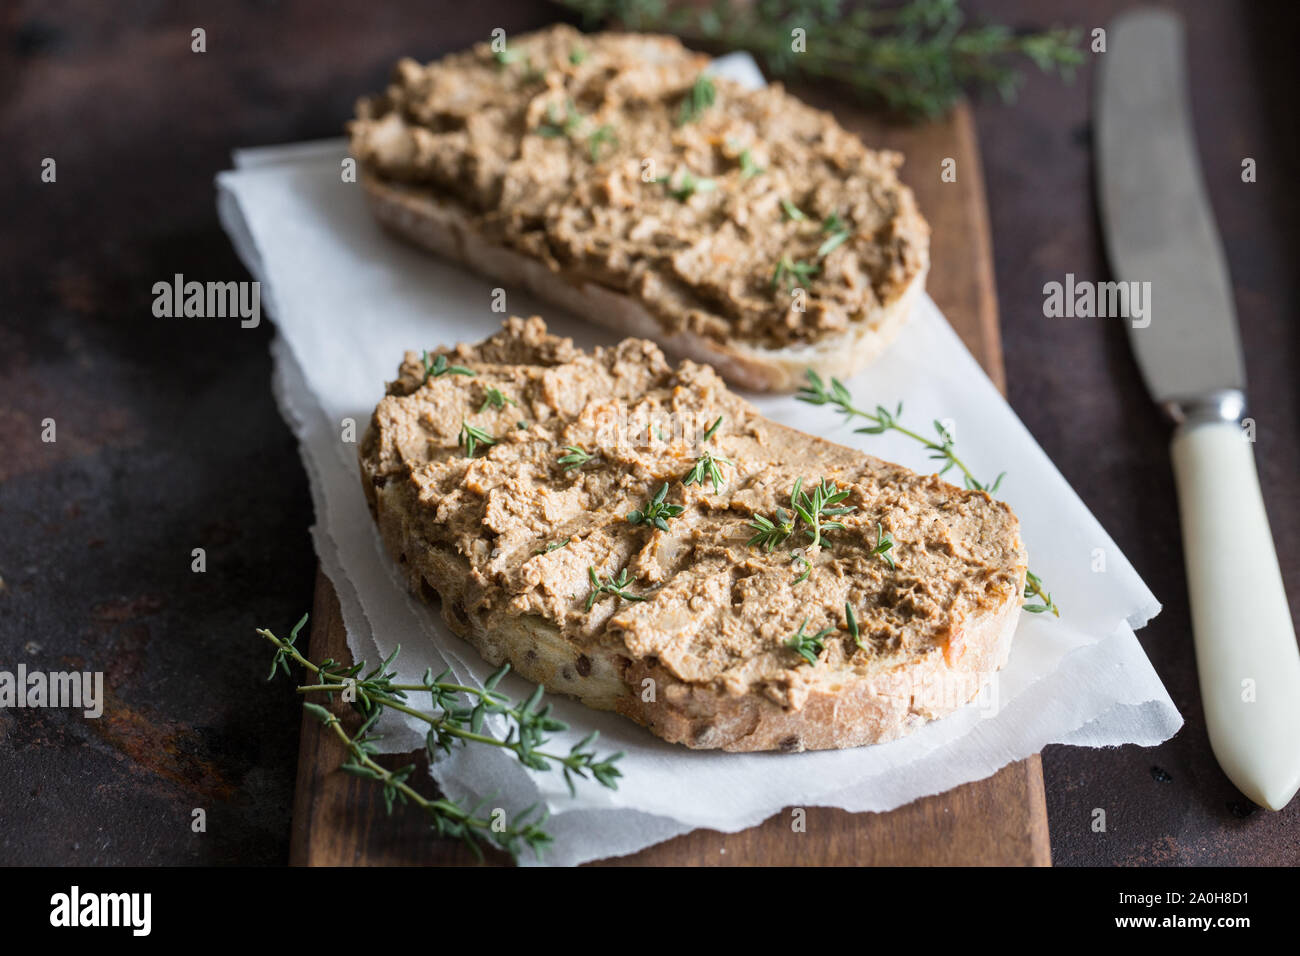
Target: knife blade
(1159,229)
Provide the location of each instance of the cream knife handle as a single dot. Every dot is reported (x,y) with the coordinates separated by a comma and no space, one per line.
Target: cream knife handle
(1246,652)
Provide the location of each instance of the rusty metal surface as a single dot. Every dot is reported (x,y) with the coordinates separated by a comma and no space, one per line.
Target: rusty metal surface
(168,438)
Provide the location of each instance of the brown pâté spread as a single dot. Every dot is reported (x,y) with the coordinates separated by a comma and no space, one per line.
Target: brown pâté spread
(570,450)
(732,214)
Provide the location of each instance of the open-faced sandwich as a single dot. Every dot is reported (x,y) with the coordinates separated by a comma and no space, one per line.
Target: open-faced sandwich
(612,175)
(638,536)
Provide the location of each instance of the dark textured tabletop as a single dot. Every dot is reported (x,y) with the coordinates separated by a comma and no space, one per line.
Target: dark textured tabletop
(168,439)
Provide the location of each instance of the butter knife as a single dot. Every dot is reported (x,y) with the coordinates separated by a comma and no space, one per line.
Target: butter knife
(1159,229)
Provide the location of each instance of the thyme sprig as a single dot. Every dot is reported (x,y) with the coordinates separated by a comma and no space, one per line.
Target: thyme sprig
(614,585)
(770,533)
(657,511)
(495,398)
(884,544)
(471,436)
(456,716)
(882,420)
(941,448)
(917,57)
(824,502)
(809,646)
(839,234)
(699,98)
(851,623)
(706,468)
(791,211)
(1034,588)
(439,367)
(748,167)
(687,185)
(554,546)
(575,458)
(795,272)
(713,428)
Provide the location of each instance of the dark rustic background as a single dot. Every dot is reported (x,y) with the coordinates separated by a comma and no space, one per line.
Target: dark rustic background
(168,438)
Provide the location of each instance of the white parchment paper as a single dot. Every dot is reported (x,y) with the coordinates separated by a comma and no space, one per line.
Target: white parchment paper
(348,300)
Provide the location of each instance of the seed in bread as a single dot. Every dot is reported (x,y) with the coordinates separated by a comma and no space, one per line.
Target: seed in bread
(737,227)
(617,548)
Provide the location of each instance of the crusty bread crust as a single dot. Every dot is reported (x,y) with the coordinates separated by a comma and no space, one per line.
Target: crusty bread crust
(442,227)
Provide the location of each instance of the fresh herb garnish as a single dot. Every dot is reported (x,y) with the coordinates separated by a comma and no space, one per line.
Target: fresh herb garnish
(769,533)
(456,717)
(713,429)
(575,458)
(615,585)
(824,502)
(471,437)
(1034,588)
(603,134)
(807,567)
(439,367)
(792,211)
(809,646)
(577,55)
(656,512)
(553,546)
(495,398)
(706,468)
(555,127)
(687,185)
(796,273)
(505,57)
(852,623)
(698,99)
(749,168)
(884,544)
(941,449)
(839,234)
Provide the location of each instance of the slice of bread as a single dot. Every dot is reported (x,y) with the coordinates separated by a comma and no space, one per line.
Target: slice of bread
(583,539)
(804,251)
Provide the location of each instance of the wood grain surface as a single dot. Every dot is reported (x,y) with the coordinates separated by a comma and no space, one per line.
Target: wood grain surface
(340,820)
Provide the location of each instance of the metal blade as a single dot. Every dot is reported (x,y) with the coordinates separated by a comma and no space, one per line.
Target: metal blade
(1156,216)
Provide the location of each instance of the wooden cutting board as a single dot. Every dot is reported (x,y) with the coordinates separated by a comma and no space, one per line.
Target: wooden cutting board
(340,820)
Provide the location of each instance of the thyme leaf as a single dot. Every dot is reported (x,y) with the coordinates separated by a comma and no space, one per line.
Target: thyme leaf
(614,585)
(439,367)
(824,502)
(687,185)
(495,398)
(796,273)
(471,437)
(554,546)
(575,458)
(706,468)
(792,212)
(809,646)
(884,543)
(1034,588)
(657,511)
(771,532)
(699,98)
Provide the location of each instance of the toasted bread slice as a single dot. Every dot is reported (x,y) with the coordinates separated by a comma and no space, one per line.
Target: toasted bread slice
(602,533)
(744,229)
